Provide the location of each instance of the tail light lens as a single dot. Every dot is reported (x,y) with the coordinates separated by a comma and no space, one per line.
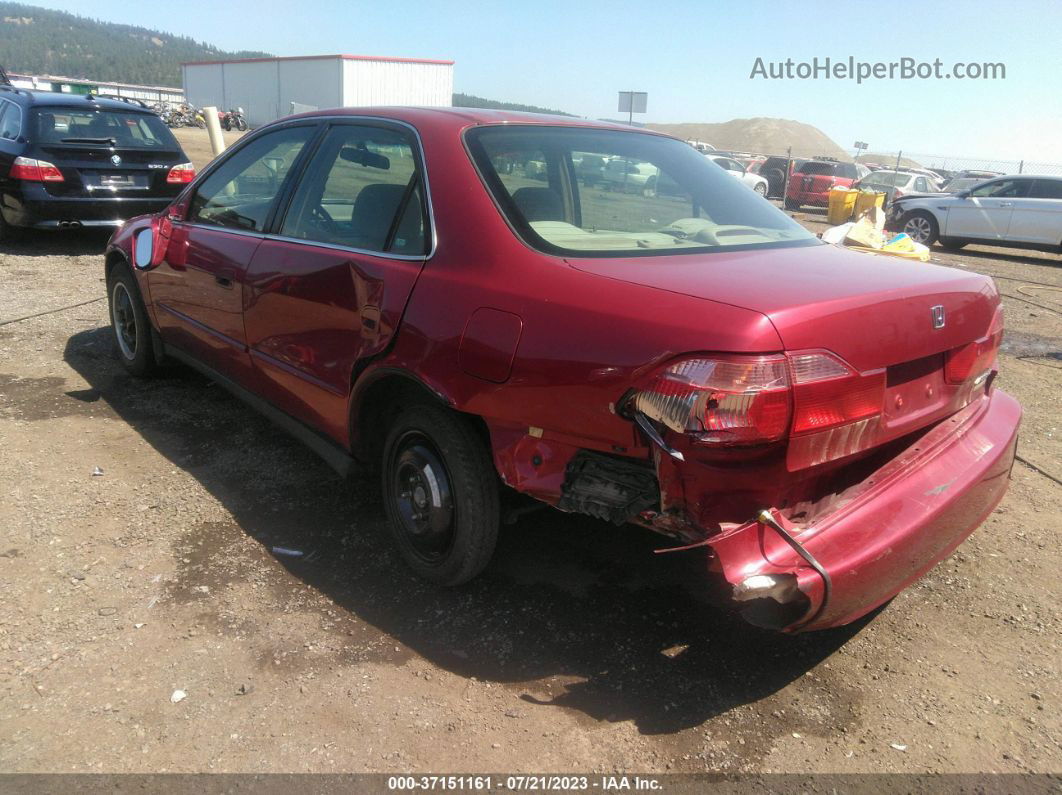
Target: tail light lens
(732,400)
(181,174)
(971,360)
(30,170)
(828,393)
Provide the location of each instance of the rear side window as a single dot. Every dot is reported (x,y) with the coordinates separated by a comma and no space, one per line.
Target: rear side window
(1046,189)
(361,190)
(60,125)
(10,121)
(240,192)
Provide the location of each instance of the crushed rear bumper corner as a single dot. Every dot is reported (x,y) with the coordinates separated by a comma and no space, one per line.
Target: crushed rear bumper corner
(889,531)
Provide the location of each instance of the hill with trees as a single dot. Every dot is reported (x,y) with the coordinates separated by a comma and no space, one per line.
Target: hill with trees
(41,41)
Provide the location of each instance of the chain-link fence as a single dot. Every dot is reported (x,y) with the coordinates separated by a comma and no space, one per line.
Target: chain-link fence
(947,165)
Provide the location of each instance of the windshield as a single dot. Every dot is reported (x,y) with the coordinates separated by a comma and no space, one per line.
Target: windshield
(891,178)
(592,192)
(59,125)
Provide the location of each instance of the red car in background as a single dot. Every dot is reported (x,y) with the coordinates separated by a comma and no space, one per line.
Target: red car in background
(812,181)
(434,293)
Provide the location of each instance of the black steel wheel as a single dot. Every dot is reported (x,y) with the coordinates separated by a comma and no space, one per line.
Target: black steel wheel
(440,493)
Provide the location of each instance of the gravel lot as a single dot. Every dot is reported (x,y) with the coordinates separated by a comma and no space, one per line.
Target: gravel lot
(578,650)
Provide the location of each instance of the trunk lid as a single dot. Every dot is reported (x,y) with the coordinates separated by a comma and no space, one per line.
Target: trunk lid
(872,311)
(92,170)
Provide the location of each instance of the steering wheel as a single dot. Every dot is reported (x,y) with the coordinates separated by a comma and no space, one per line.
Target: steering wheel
(320,217)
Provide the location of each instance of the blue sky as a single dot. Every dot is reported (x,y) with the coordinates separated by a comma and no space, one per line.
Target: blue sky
(694,58)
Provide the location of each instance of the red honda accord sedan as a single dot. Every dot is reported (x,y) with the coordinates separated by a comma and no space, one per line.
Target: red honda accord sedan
(460,298)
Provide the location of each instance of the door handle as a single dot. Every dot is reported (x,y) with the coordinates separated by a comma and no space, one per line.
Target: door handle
(223,281)
(1006,204)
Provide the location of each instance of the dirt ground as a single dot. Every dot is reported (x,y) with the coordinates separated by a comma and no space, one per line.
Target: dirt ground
(138,523)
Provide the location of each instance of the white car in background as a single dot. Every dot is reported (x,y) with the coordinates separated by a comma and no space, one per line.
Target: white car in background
(1023,211)
(735,169)
(895,184)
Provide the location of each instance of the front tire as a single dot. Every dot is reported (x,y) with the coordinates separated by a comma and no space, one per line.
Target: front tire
(130,324)
(440,493)
(921,227)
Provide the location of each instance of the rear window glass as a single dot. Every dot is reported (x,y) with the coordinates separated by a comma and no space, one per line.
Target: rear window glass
(819,167)
(61,125)
(592,192)
(891,178)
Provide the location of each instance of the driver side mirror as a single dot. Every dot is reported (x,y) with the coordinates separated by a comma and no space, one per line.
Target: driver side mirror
(963,194)
(143,248)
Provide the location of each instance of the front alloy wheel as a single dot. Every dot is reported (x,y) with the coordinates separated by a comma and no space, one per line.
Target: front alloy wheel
(129,321)
(921,228)
(123,320)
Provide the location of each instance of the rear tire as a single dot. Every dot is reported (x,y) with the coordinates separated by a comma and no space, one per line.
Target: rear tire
(441,494)
(921,227)
(129,323)
(760,188)
(8,233)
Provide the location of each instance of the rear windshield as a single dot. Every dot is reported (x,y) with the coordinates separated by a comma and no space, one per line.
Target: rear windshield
(819,167)
(892,178)
(590,192)
(59,125)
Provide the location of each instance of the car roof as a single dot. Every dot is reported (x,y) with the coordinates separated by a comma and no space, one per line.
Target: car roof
(447,117)
(57,99)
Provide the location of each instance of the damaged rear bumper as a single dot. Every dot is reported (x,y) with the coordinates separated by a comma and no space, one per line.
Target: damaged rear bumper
(883,534)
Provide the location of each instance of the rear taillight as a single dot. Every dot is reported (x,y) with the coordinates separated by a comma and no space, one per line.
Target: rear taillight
(897,194)
(726,400)
(30,170)
(181,174)
(827,393)
(976,358)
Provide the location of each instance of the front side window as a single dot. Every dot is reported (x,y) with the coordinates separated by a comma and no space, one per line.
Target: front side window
(240,192)
(123,129)
(591,192)
(361,190)
(1002,188)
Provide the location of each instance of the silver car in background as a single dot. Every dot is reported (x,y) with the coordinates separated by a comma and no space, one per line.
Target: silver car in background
(1019,211)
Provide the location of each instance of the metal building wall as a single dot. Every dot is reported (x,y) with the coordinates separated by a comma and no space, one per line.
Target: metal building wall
(266,88)
(371,82)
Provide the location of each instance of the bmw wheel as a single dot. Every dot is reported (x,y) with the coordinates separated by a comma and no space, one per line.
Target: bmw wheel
(441,494)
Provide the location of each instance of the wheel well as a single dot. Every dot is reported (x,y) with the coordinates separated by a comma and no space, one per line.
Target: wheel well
(375,410)
(113,259)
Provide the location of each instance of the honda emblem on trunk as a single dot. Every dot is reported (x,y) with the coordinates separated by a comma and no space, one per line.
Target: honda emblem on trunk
(938,316)
(116,160)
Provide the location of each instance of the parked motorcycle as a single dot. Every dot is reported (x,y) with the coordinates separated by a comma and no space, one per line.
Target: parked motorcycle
(232,119)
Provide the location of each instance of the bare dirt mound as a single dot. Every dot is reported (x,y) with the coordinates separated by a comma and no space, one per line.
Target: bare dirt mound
(769,136)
